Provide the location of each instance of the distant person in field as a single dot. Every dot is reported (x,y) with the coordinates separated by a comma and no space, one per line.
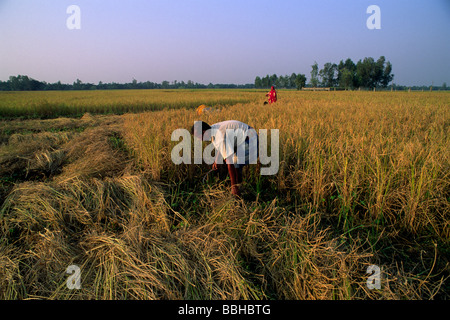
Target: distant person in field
(272,95)
(202,109)
(235,142)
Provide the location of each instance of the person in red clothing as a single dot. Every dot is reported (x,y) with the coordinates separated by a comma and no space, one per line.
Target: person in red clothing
(272,95)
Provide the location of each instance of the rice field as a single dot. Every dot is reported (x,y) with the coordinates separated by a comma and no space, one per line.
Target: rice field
(86,179)
(53,104)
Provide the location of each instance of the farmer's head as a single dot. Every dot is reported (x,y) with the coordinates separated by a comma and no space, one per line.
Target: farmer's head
(199,128)
(272,88)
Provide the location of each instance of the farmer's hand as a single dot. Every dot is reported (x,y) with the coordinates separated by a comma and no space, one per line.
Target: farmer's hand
(214,166)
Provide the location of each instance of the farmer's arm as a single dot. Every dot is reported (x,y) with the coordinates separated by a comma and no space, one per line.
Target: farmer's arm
(219,159)
(216,160)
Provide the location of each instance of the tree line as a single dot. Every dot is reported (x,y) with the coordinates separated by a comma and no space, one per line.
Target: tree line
(366,73)
(25,83)
(292,81)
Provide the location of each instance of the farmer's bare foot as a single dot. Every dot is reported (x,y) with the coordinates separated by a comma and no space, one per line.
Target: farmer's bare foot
(235,191)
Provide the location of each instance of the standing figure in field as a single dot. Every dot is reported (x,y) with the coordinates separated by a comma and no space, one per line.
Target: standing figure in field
(235,142)
(272,95)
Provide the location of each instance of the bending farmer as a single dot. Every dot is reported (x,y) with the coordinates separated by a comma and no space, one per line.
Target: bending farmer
(235,142)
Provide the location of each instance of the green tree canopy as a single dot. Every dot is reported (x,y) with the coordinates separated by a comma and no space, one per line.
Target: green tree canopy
(314,81)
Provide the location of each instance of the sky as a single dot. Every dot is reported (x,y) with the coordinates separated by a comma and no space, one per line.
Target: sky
(219,41)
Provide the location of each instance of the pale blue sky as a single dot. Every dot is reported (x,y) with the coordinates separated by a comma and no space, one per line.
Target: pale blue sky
(219,41)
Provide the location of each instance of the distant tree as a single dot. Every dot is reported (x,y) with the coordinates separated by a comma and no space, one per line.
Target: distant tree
(365,72)
(314,81)
(371,74)
(148,85)
(300,81)
(77,85)
(258,82)
(24,83)
(36,85)
(4,86)
(14,83)
(444,86)
(378,70)
(266,82)
(292,78)
(329,74)
(387,76)
(273,80)
(322,77)
(346,74)
(282,82)
(58,86)
(165,84)
(347,79)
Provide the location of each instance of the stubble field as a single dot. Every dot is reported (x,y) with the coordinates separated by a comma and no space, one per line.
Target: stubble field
(86,179)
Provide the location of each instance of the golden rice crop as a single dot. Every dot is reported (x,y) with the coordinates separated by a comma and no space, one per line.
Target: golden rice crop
(51,104)
(384,155)
(363,180)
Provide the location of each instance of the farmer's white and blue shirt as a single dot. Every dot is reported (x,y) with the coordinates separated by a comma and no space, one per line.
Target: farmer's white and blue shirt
(236,142)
